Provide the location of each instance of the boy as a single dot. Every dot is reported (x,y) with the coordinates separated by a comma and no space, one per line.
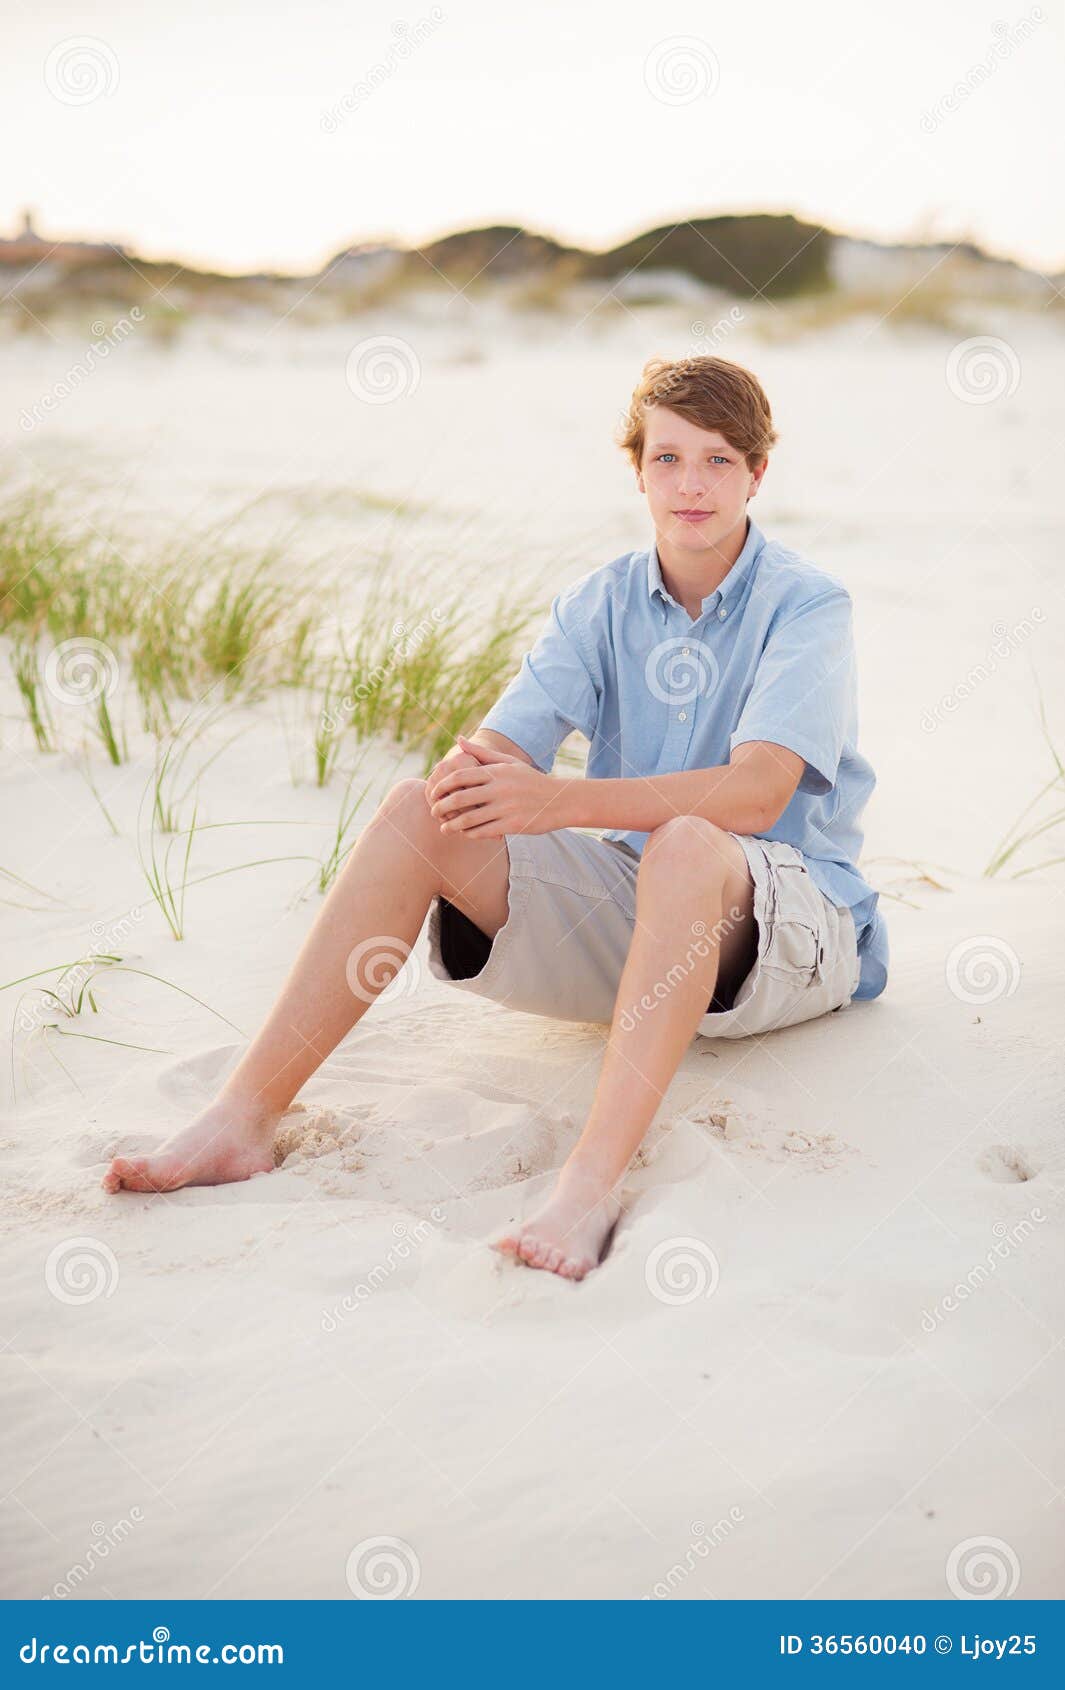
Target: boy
(714,677)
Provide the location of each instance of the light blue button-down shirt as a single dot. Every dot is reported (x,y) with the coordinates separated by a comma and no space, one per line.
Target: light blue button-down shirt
(769,657)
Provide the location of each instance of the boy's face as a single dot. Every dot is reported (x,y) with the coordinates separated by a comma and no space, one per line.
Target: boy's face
(696,484)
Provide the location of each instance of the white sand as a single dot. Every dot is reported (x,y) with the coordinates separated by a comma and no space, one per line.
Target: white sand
(248,1383)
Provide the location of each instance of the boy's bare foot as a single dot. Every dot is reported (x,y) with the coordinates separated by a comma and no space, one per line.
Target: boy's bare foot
(568,1234)
(229,1141)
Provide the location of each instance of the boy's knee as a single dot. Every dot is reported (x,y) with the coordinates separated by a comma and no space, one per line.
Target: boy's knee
(405,794)
(405,807)
(688,845)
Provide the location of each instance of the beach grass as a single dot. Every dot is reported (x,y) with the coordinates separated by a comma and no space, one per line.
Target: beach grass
(103,628)
(1042,816)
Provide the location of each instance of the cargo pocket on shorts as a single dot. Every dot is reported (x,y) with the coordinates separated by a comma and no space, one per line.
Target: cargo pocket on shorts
(796,942)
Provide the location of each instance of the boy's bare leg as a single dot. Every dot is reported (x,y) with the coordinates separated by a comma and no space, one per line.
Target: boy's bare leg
(695,931)
(379,902)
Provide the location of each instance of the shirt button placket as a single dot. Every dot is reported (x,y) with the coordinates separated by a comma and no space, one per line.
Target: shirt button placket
(682,715)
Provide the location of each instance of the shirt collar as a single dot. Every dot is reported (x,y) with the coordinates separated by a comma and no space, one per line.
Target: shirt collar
(730,587)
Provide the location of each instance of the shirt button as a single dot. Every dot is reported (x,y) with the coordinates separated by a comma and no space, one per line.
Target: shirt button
(682,716)
(722,613)
(686,652)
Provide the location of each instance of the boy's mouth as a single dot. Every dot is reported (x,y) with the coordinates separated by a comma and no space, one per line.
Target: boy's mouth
(693,516)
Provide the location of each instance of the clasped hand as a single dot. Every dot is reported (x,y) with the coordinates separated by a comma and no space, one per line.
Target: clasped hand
(490,793)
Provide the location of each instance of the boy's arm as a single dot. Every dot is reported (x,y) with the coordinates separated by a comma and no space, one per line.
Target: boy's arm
(556,689)
(791,732)
(746,795)
(500,742)
(457,756)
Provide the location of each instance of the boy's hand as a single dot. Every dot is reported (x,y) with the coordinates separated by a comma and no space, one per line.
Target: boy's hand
(489,793)
(456,758)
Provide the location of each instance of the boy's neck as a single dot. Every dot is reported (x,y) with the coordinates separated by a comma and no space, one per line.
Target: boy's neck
(689,578)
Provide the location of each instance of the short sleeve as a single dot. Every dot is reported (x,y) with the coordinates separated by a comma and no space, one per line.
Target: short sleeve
(802,696)
(554,692)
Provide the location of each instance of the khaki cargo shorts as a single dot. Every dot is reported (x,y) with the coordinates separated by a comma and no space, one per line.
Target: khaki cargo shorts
(572,912)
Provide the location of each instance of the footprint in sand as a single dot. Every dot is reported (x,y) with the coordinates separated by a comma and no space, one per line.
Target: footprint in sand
(305,1135)
(1007,1165)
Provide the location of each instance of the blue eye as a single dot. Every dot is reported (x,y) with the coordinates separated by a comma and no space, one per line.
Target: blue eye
(717,457)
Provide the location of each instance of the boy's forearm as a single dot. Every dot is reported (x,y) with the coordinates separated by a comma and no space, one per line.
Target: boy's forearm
(727,795)
(499,742)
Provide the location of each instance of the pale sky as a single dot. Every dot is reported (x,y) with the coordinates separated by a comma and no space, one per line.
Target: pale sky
(236,132)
